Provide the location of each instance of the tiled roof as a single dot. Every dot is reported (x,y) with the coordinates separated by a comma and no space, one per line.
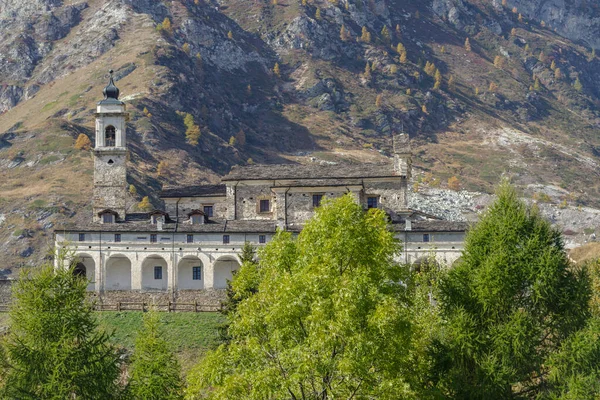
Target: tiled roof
(194,191)
(316,171)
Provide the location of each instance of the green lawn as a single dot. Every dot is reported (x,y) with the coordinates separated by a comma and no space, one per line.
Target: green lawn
(190,334)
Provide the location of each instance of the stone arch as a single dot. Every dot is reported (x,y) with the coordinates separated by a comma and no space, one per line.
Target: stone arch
(149,273)
(185,273)
(425,262)
(223,271)
(118,273)
(110,136)
(85,266)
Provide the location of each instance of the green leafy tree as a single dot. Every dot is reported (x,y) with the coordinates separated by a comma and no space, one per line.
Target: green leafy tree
(54,349)
(329,321)
(510,304)
(155,371)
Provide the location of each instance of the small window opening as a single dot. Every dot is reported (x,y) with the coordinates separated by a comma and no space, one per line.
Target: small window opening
(264,206)
(107,218)
(372,202)
(117,237)
(158,272)
(208,211)
(153,238)
(197,219)
(110,136)
(196,273)
(262,238)
(82,237)
(316,199)
(190,238)
(225,239)
(426,237)
(110,162)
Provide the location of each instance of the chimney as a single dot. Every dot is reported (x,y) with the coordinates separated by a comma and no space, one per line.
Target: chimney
(408,225)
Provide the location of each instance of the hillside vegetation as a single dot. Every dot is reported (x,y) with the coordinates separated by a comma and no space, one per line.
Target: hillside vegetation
(291,81)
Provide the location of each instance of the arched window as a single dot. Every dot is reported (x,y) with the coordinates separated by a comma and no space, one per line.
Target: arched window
(79,270)
(110,136)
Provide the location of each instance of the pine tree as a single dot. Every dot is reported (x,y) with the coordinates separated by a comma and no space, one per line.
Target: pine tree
(577,85)
(557,73)
(385,35)
(438,79)
(155,371)
(83,142)
(499,62)
(276,70)
(365,36)
(451,83)
(240,138)
(144,205)
(467,44)
(402,59)
(54,349)
(344,35)
(508,306)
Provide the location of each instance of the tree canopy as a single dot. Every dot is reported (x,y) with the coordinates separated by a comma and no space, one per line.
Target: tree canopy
(331,317)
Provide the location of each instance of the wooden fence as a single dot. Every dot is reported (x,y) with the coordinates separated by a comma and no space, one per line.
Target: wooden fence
(143,306)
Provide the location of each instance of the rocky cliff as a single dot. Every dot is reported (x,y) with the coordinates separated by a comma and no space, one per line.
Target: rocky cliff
(295,81)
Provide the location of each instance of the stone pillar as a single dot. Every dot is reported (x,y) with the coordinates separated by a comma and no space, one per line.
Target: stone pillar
(99,273)
(171,270)
(136,272)
(209,273)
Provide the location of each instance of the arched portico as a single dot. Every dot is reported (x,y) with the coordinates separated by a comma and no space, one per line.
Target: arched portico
(85,266)
(155,273)
(118,273)
(223,271)
(190,273)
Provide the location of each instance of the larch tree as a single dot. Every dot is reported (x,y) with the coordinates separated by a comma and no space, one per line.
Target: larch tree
(54,349)
(144,204)
(508,306)
(331,318)
(155,371)
(365,36)
(83,142)
(467,44)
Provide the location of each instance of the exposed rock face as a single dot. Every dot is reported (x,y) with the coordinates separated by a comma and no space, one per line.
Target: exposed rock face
(578,20)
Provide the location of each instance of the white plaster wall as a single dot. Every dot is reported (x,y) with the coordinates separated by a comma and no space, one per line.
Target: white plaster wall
(148,281)
(223,271)
(185,274)
(117,274)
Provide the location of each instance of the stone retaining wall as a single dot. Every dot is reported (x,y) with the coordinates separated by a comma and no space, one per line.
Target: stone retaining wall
(5,291)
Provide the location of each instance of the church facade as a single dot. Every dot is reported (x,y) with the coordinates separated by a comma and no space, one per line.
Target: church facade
(191,245)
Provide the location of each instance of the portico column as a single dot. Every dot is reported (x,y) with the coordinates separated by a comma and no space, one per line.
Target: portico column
(136,272)
(209,274)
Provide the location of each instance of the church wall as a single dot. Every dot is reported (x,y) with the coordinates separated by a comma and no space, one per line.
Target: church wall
(187,204)
(248,198)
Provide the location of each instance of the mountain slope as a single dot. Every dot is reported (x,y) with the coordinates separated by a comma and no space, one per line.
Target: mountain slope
(500,107)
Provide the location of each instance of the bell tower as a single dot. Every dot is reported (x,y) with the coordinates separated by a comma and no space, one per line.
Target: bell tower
(110,153)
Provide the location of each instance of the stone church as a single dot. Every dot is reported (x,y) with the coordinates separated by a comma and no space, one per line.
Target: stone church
(189,249)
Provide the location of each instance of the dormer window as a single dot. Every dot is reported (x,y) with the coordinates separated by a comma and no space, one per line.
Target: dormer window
(197,217)
(108,216)
(158,217)
(110,136)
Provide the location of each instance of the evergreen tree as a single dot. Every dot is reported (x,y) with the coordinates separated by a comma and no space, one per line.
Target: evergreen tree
(385,35)
(438,79)
(536,85)
(54,349)
(240,138)
(276,70)
(328,321)
(318,14)
(467,44)
(577,85)
(509,305)
(365,36)
(155,371)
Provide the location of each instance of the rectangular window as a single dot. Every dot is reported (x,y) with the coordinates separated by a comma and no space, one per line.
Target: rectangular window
(262,238)
(82,237)
(153,238)
(372,202)
(264,206)
(317,200)
(426,237)
(117,237)
(196,273)
(107,218)
(190,239)
(225,239)
(158,272)
(208,211)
